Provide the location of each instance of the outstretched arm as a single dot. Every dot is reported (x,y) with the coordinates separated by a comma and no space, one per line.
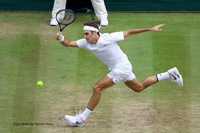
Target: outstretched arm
(65,41)
(140,30)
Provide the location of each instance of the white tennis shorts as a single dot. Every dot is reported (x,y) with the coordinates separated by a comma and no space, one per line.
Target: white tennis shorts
(121,73)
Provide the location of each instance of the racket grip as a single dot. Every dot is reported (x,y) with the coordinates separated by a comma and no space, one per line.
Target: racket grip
(60,32)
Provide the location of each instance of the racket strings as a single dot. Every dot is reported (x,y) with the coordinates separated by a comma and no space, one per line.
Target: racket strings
(68,17)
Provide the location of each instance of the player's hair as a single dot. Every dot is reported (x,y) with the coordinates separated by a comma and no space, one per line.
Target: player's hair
(94,24)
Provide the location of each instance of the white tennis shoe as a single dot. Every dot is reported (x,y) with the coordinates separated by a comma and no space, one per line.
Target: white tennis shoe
(53,22)
(175,76)
(74,120)
(104,22)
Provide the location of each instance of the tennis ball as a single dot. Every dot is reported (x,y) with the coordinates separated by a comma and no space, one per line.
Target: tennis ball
(40,83)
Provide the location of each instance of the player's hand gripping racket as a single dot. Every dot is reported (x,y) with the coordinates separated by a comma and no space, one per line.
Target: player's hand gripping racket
(65,17)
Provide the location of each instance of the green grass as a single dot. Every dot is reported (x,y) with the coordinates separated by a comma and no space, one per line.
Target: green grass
(30,53)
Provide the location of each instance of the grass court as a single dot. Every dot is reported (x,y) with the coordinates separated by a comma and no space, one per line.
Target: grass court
(30,53)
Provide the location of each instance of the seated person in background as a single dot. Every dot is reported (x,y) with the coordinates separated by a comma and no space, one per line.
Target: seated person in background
(98,5)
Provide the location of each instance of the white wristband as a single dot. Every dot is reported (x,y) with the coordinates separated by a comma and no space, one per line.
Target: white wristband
(62,38)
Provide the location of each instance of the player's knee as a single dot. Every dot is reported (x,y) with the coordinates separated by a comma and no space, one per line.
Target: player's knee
(97,89)
(138,88)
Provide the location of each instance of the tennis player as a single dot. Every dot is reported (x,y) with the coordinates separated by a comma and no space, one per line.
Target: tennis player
(105,48)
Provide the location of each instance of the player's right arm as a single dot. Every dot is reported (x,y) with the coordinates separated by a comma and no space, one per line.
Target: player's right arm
(65,41)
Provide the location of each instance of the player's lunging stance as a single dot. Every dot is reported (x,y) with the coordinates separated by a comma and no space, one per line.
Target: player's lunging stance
(105,48)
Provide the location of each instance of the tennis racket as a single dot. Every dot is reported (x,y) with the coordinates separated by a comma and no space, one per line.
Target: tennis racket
(65,17)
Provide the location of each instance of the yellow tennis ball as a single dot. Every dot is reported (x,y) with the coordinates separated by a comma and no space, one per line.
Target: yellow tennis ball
(40,83)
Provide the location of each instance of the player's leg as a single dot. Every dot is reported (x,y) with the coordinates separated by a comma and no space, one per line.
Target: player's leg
(99,87)
(137,86)
(172,74)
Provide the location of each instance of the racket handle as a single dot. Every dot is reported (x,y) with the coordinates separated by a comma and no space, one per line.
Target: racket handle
(60,32)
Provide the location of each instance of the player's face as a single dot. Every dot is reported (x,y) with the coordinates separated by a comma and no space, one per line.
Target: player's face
(89,36)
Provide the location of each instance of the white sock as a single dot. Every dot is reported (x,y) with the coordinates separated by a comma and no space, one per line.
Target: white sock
(86,113)
(162,76)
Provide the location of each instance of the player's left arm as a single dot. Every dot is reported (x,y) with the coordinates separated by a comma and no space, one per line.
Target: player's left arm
(140,30)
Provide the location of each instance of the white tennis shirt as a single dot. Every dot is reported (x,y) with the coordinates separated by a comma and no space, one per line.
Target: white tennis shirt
(106,49)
